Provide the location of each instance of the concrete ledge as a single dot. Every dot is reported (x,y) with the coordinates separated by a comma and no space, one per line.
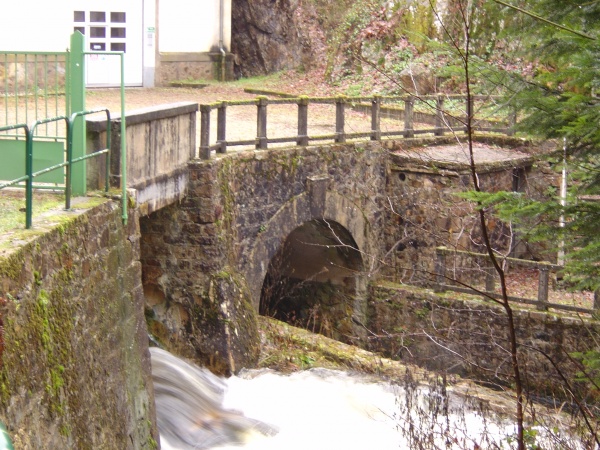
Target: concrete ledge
(141,115)
(186,57)
(162,191)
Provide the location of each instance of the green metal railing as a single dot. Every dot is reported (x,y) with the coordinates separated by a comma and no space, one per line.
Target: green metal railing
(33,85)
(30,175)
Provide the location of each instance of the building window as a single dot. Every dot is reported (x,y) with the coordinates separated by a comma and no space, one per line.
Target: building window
(91,23)
(117,47)
(117,17)
(97,32)
(117,32)
(97,16)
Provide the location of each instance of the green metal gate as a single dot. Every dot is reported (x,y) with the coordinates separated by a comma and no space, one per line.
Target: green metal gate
(47,90)
(35,86)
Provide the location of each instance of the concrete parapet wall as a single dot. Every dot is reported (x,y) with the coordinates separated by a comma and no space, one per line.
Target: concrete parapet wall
(74,360)
(160,142)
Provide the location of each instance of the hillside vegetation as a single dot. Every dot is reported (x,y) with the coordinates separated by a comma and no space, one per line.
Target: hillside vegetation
(368,46)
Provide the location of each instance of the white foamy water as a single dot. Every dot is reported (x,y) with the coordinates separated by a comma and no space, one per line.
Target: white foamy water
(323,409)
(317,409)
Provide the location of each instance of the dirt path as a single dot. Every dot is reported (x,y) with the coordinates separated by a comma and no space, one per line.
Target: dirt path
(282,120)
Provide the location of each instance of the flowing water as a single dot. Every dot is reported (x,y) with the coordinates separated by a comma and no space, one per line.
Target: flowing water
(319,409)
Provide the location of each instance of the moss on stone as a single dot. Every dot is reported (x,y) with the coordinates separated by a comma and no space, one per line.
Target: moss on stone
(12,266)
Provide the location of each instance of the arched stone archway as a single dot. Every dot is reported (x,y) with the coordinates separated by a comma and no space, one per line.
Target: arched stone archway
(322,209)
(312,280)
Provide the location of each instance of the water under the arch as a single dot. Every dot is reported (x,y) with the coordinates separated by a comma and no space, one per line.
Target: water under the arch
(316,409)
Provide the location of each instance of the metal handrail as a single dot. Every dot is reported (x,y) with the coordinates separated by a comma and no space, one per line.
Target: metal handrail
(71,161)
(30,174)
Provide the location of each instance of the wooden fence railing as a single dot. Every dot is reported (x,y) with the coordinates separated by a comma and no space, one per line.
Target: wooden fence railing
(444,282)
(443,122)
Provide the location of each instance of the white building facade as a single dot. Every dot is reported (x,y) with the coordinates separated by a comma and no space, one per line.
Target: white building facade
(163,40)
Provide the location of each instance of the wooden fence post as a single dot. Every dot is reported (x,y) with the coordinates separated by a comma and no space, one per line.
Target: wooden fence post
(440,269)
(409,107)
(205,131)
(261,123)
(302,121)
(512,122)
(439,116)
(376,118)
(221,127)
(544,276)
(490,280)
(340,105)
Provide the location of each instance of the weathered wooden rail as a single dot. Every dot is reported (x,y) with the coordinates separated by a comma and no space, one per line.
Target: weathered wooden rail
(443,121)
(443,282)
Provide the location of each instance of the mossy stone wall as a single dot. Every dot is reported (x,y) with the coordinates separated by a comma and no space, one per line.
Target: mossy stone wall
(75,367)
(469,337)
(425,208)
(239,209)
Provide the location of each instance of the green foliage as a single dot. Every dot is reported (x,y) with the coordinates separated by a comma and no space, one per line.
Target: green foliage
(418,22)
(530,436)
(591,364)
(487,21)
(557,99)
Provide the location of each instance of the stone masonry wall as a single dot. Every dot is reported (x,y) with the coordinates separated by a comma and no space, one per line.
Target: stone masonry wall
(239,209)
(425,211)
(469,337)
(75,366)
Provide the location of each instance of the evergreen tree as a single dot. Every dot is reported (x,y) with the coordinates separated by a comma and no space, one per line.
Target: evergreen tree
(559,100)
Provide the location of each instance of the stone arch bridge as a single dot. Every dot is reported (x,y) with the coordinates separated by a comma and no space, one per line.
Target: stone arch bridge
(299,233)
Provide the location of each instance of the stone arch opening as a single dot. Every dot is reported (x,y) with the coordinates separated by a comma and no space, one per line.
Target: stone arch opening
(316,281)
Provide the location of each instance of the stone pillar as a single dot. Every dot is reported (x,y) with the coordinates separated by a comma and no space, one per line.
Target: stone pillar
(317,190)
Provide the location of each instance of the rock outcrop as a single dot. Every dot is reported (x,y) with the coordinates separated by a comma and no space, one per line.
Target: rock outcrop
(272,35)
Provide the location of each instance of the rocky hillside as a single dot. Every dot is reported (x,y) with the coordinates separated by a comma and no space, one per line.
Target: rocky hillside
(341,40)
(273,35)
(365,46)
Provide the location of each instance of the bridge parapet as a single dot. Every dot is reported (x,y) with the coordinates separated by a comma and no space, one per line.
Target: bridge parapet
(413,115)
(161,140)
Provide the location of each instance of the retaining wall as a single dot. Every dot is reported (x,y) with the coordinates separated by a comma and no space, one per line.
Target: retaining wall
(75,366)
(469,337)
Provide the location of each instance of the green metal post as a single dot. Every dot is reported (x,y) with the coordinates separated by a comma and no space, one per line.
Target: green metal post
(77,96)
(69,168)
(108,143)
(123,144)
(29,182)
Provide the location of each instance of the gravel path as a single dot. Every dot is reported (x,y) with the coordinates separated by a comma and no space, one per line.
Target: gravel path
(282,120)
